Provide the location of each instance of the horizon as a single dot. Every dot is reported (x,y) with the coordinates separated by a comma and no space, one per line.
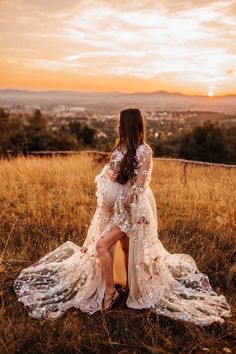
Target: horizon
(109,46)
(114,92)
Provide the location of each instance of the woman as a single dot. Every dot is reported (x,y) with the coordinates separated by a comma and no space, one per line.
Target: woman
(82,277)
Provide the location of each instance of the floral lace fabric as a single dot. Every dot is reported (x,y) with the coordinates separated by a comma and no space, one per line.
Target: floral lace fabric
(167,284)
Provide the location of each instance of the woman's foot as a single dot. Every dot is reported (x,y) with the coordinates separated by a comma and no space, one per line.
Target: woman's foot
(122,289)
(126,289)
(109,299)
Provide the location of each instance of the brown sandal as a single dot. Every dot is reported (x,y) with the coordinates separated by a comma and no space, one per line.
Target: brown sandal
(124,290)
(113,299)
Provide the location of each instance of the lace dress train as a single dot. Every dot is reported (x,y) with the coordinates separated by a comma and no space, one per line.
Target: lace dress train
(167,284)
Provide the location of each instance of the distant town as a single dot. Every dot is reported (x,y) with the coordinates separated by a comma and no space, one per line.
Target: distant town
(176,125)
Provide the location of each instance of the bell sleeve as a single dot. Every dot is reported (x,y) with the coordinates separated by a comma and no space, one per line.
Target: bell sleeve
(143,171)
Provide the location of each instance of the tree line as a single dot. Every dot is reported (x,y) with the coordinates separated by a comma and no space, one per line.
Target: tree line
(208,142)
(33,134)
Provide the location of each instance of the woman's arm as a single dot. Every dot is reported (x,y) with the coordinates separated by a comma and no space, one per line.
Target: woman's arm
(142,173)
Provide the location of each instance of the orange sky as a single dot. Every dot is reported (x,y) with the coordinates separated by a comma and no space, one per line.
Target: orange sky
(114,45)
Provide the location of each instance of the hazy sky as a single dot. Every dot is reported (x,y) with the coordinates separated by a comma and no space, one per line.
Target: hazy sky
(118,45)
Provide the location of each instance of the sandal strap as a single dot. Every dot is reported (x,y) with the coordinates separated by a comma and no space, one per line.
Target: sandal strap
(110,297)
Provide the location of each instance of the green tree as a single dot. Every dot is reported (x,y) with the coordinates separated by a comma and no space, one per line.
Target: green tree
(205,142)
(76,129)
(17,134)
(83,132)
(88,135)
(4,131)
(36,133)
(62,140)
(38,121)
(230,134)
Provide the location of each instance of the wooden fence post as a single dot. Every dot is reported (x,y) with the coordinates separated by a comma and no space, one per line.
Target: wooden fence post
(185,165)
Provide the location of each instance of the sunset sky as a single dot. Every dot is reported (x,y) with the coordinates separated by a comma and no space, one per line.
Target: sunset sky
(116,45)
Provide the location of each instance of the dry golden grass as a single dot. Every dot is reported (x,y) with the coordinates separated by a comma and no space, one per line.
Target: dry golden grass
(45,202)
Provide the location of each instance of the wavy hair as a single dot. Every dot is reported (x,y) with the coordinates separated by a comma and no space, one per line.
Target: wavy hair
(132,133)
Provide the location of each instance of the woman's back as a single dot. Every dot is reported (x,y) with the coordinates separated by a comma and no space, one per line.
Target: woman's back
(112,190)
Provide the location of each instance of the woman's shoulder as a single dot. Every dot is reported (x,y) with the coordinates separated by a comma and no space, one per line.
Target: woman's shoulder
(144,148)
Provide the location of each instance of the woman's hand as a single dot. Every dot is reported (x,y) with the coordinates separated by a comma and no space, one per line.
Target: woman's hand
(112,174)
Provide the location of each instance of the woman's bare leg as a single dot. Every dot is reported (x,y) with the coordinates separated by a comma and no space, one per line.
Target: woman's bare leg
(103,249)
(125,247)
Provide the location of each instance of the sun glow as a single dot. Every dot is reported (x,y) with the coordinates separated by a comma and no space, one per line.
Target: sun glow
(210,91)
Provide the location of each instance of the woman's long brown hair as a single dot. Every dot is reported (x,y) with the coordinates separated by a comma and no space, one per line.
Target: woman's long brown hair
(131,133)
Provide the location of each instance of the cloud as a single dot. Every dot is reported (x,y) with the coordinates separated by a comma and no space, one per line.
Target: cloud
(191,41)
(229,71)
(231,10)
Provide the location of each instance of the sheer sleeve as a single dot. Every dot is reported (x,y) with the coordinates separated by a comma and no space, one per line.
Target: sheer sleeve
(143,171)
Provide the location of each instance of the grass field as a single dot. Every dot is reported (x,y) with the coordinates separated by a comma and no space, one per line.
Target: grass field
(45,202)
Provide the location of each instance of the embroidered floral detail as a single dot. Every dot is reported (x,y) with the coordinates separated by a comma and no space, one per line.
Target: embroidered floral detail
(29,307)
(84,249)
(142,220)
(47,313)
(24,293)
(206,283)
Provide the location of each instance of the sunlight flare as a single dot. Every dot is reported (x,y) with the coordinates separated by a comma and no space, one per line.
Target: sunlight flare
(211,91)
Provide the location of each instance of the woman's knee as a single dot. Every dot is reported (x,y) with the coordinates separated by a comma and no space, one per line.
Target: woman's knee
(100,246)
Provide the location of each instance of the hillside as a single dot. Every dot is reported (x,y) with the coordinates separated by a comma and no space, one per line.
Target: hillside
(45,202)
(117,100)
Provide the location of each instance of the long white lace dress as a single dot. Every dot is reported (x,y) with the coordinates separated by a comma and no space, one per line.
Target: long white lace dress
(167,284)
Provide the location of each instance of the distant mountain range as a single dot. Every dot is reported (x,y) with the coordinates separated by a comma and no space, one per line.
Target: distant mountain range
(116,100)
(13,92)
